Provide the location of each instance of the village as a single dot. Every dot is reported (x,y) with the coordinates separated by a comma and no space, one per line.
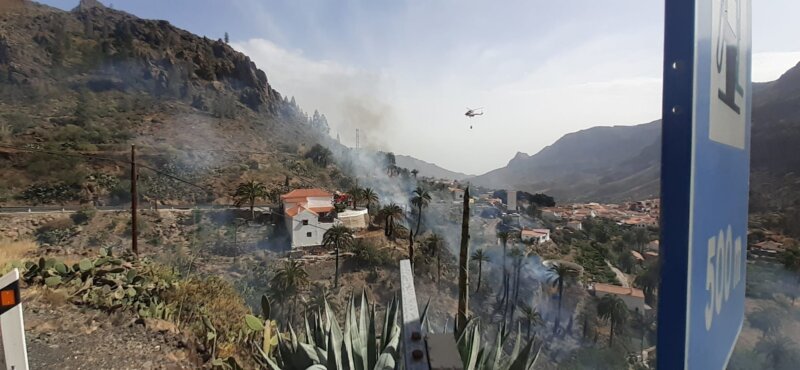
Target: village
(536,229)
(562,258)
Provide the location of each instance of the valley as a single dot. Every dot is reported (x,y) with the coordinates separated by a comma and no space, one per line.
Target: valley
(167,207)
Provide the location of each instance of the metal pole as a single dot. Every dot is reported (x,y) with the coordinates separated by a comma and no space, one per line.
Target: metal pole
(414,349)
(134,199)
(14,351)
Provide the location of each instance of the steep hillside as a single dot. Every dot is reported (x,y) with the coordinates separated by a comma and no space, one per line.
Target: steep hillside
(94,80)
(622,162)
(428,169)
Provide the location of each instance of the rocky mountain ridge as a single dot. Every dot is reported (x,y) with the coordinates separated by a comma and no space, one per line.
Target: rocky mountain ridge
(623,162)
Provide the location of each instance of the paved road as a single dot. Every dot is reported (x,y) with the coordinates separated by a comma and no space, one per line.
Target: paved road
(623,279)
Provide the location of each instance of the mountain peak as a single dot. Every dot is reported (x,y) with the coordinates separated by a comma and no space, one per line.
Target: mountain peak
(520,156)
(89,4)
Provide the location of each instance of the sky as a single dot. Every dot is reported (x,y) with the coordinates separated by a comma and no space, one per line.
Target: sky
(405,72)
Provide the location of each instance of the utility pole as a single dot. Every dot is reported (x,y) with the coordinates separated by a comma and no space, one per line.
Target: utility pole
(134,198)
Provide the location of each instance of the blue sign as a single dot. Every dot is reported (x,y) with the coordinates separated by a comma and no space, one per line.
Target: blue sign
(704,182)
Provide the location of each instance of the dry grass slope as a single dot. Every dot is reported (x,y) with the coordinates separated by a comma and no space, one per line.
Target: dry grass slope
(14,252)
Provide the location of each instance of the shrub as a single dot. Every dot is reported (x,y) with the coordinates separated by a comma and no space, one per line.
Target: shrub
(216,299)
(55,232)
(83,216)
(50,193)
(367,254)
(120,193)
(224,106)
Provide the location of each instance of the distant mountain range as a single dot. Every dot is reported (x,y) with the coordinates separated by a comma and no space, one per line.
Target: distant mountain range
(623,162)
(428,169)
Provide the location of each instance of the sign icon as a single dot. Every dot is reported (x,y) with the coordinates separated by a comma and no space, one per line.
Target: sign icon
(728,73)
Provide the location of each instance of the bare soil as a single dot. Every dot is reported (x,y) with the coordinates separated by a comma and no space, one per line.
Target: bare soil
(60,335)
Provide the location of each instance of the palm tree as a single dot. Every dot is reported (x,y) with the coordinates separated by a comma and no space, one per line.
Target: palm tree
(791,261)
(318,296)
(562,271)
(503,235)
(434,244)
(647,280)
(768,320)
(640,239)
(247,193)
(626,262)
(337,237)
(531,316)
(383,215)
(589,317)
(369,196)
(480,257)
(518,257)
(356,194)
(421,200)
(645,322)
(391,213)
(779,351)
(613,309)
(288,280)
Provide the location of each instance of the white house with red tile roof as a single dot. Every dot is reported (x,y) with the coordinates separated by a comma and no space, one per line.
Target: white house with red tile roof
(309,213)
(537,236)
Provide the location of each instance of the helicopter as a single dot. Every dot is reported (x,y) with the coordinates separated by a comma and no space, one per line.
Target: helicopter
(473,112)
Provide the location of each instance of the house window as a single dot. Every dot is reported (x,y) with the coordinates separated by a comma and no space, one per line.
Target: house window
(305,222)
(308,234)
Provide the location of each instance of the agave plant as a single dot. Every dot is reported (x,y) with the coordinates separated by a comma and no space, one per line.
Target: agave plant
(326,346)
(476,356)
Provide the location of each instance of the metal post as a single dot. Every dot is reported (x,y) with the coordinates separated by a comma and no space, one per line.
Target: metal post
(12,328)
(415,354)
(134,198)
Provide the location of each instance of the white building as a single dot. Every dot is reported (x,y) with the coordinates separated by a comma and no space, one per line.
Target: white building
(458,194)
(354,219)
(511,205)
(537,236)
(309,213)
(575,225)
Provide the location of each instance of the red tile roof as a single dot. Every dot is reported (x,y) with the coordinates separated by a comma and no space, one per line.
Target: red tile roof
(618,290)
(305,193)
(321,209)
(536,232)
(291,212)
(769,245)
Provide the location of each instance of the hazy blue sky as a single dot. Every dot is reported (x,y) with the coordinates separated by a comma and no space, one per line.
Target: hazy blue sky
(404,72)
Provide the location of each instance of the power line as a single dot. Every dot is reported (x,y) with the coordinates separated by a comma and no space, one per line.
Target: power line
(95,157)
(87,156)
(217,150)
